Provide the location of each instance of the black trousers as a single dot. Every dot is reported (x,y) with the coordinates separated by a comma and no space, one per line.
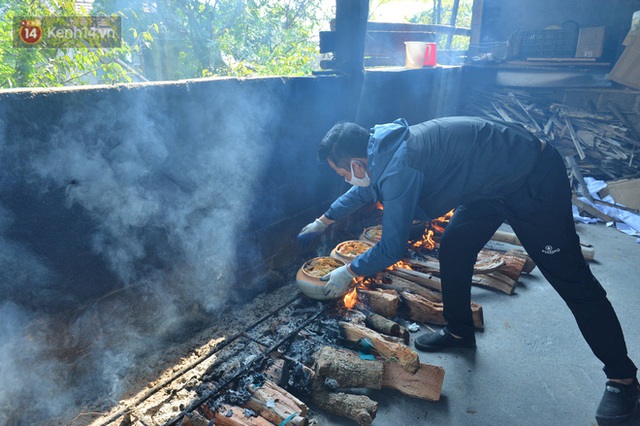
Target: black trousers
(540,215)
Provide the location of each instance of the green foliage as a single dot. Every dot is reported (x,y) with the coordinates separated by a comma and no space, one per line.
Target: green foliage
(169,39)
(46,67)
(197,38)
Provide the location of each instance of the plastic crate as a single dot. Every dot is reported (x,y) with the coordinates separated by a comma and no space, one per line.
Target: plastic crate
(547,44)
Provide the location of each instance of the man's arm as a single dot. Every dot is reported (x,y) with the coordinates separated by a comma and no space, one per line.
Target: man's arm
(401,192)
(349,202)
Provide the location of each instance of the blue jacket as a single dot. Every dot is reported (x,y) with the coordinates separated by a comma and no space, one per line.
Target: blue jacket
(434,166)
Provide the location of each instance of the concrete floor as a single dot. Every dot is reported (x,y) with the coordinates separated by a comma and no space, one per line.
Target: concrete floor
(532,366)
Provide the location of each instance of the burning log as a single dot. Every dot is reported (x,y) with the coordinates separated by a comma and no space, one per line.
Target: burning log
(384,346)
(276,404)
(424,310)
(349,371)
(383,302)
(360,408)
(386,326)
(230,415)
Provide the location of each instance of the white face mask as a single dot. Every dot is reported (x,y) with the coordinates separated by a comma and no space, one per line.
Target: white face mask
(356,181)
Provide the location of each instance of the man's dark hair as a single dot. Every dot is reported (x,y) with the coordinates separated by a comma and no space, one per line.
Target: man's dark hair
(342,143)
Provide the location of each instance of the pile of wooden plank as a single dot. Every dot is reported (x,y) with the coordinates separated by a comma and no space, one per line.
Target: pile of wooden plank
(606,144)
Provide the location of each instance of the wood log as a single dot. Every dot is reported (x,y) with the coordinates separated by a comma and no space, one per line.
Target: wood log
(424,310)
(402,284)
(496,281)
(193,419)
(230,415)
(425,280)
(276,372)
(386,326)
(360,408)
(384,346)
(512,266)
(349,371)
(426,383)
(529,264)
(276,404)
(383,302)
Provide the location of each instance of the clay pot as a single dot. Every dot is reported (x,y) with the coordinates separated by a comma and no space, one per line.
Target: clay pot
(310,284)
(337,252)
(367,234)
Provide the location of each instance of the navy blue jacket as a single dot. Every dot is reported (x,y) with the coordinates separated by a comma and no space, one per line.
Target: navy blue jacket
(436,166)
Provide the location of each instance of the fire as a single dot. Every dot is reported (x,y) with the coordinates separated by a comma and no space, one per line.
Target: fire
(400,265)
(351,298)
(379,205)
(437,225)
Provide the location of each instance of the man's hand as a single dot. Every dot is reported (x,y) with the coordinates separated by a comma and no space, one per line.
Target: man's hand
(310,232)
(339,280)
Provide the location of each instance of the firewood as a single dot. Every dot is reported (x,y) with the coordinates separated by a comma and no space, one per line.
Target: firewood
(529,264)
(424,310)
(194,419)
(276,371)
(349,371)
(383,302)
(485,264)
(511,266)
(426,280)
(496,281)
(383,346)
(386,326)
(360,408)
(426,383)
(402,284)
(230,415)
(276,404)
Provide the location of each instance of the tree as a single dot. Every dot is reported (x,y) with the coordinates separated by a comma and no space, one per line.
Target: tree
(228,37)
(40,67)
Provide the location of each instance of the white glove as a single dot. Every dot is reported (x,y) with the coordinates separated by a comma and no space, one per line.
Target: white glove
(310,232)
(339,280)
(315,227)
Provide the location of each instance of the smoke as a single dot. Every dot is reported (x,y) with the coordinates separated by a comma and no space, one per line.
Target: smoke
(135,215)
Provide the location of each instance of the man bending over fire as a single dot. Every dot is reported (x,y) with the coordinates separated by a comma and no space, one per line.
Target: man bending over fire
(490,172)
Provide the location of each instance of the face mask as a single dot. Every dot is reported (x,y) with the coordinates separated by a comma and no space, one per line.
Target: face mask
(356,181)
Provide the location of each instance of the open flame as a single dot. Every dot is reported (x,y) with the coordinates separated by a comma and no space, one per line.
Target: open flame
(350,299)
(437,225)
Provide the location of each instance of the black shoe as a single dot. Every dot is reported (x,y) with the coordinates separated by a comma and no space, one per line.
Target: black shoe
(618,403)
(441,340)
